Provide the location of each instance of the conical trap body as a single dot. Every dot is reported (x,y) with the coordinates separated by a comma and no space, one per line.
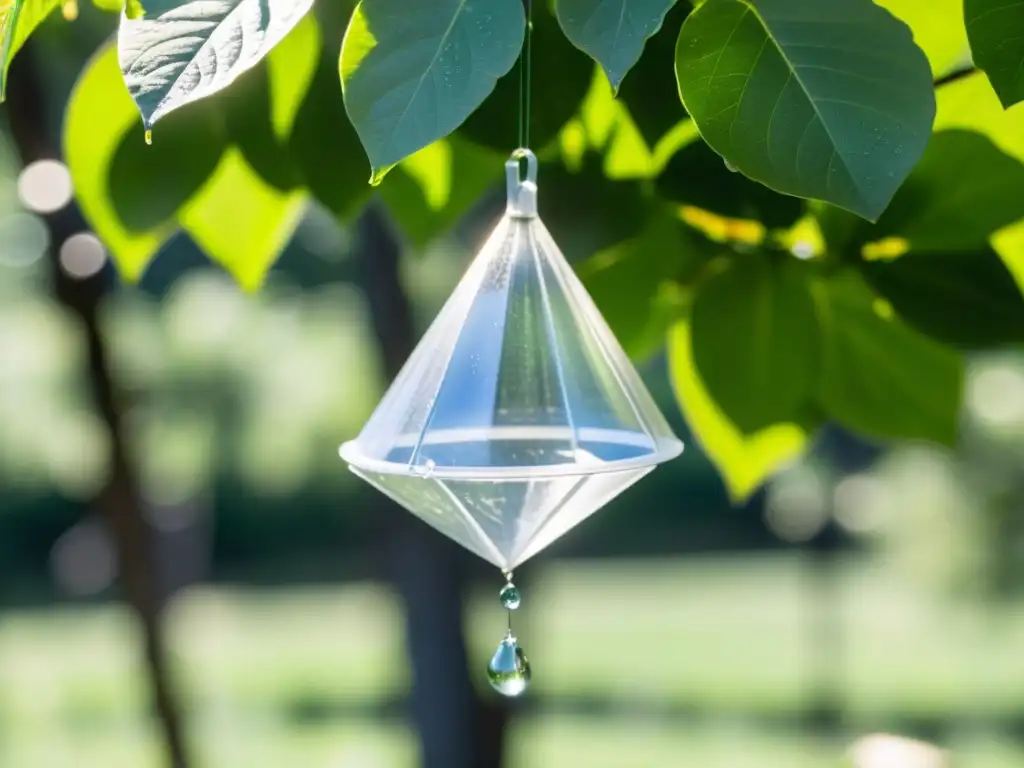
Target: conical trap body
(518,415)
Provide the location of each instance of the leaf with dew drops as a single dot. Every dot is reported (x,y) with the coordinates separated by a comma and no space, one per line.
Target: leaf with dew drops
(411,73)
(173,53)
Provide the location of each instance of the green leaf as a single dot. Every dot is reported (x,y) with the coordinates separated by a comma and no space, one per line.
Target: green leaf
(261,108)
(133,8)
(968,299)
(613,32)
(962,191)
(745,462)
(825,100)
(993,28)
(99,99)
(651,97)
(555,100)
(755,339)
(879,377)
(430,191)
(413,72)
(697,176)
(605,125)
(148,184)
(971,103)
(18,20)
(240,221)
(179,52)
(634,283)
(325,148)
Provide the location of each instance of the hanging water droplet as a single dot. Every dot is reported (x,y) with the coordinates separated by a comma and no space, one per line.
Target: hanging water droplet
(509,671)
(149,136)
(729,166)
(510,597)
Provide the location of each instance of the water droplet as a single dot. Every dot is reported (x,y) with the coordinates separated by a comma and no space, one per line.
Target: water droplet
(510,597)
(149,136)
(729,166)
(509,671)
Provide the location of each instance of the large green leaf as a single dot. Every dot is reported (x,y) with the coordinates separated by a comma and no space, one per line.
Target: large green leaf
(651,97)
(413,72)
(755,339)
(826,100)
(18,20)
(261,108)
(962,191)
(879,377)
(178,52)
(634,283)
(744,461)
(99,99)
(555,100)
(613,32)
(325,148)
(240,221)
(994,29)
(697,176)
(148,184)
(968,299)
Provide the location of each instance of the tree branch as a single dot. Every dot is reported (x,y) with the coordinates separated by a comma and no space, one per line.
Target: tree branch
(120,500)
(456,728)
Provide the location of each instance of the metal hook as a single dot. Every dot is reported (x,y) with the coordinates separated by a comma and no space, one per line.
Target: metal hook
(522,193)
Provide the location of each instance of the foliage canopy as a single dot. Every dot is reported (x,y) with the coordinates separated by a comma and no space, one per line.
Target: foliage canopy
(816,206)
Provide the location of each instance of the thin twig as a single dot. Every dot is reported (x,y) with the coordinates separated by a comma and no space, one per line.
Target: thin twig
(956,74)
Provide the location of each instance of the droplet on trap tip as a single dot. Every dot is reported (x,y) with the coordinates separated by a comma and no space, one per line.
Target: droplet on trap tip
(509,670)
(510,597)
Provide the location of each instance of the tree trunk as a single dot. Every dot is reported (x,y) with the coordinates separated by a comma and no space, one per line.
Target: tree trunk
(456,728)
(120,500)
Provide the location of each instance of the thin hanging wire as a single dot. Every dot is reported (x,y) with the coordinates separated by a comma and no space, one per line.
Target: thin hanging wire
(525,78)
(508,581)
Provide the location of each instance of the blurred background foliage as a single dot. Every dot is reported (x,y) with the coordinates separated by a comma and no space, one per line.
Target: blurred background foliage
(704,618)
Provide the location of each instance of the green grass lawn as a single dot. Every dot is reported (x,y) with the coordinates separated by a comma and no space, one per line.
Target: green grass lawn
(726,637)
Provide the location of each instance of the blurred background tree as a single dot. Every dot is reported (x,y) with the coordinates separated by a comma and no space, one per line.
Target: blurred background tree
(190,328)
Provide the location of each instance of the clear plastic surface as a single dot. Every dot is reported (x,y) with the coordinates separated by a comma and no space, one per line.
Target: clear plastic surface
(518,415)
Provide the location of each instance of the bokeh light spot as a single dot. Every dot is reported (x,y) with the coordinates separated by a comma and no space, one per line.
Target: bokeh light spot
(82,255)
(45,186)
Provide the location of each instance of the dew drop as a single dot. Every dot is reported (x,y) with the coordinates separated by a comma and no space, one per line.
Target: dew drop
(149,136)
(730,167)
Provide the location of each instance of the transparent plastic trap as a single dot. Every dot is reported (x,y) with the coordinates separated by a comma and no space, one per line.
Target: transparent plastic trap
(518,415)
